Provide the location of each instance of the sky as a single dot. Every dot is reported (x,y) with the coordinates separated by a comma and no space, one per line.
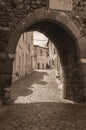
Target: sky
(39,39)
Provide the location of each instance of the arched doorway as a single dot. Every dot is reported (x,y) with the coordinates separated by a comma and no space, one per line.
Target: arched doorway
(57,26)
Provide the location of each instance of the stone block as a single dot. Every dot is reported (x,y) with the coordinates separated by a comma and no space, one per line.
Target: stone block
(84,91)
(12,44)
(83,81)
(65,5)
(83,95)
(6,67)
(82,46)
(82,69)
(74,29)
(5,79)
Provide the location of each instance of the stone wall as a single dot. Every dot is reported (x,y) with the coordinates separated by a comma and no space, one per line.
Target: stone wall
(79,14)
(71,83)
(11,11)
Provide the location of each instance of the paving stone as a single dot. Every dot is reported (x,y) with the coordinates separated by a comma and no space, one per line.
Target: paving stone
(40,106)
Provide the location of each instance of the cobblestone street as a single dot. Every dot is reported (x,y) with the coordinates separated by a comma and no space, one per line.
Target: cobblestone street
(38,106)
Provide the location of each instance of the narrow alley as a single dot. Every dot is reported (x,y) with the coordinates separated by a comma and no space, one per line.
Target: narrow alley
(37,105)
(42,64)
(40,86)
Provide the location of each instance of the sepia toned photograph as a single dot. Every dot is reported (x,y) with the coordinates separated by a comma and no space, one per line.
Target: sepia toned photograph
(42,64)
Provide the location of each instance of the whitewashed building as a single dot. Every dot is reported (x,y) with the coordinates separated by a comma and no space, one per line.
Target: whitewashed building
(54,60)
(41,57)
(23,63)
(52,55)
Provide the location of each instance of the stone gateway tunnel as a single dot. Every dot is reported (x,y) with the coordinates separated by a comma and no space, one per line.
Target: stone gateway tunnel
(19,16)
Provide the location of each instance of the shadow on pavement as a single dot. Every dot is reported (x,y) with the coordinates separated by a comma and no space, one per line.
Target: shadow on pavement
(60,115)
(43,116)
(23,87)
(41,82)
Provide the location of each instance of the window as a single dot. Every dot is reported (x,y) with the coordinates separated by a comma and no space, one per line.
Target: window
(47,54)
(54,51)
(42,65)
(41,52)
(38,65)
(29,46)
(52,62)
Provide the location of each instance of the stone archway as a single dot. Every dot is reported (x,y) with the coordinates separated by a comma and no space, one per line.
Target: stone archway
(60,29)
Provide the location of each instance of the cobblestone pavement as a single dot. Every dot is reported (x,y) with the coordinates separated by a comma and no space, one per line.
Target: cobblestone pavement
(38,106)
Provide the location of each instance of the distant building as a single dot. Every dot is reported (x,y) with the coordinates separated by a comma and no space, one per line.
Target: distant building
(52,55)
(47,58)
(23,63)
(59,68)
(41,57)
(54,60)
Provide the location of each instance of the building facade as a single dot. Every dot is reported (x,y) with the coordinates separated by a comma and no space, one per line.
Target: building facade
(41,57)
(54,60)
(52,55)
(23,63)
(59,68)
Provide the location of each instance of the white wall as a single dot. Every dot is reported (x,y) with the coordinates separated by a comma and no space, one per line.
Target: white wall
(41,59)
(23,63)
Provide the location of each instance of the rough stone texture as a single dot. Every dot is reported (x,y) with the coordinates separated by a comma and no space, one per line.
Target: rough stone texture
(40,86)
(72,83)
(5,77)
(43,116)
(11,13)
(79,15)
(82,69)
(82,44)
(4,37)
(39,110)
(47,28)
(7,67)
